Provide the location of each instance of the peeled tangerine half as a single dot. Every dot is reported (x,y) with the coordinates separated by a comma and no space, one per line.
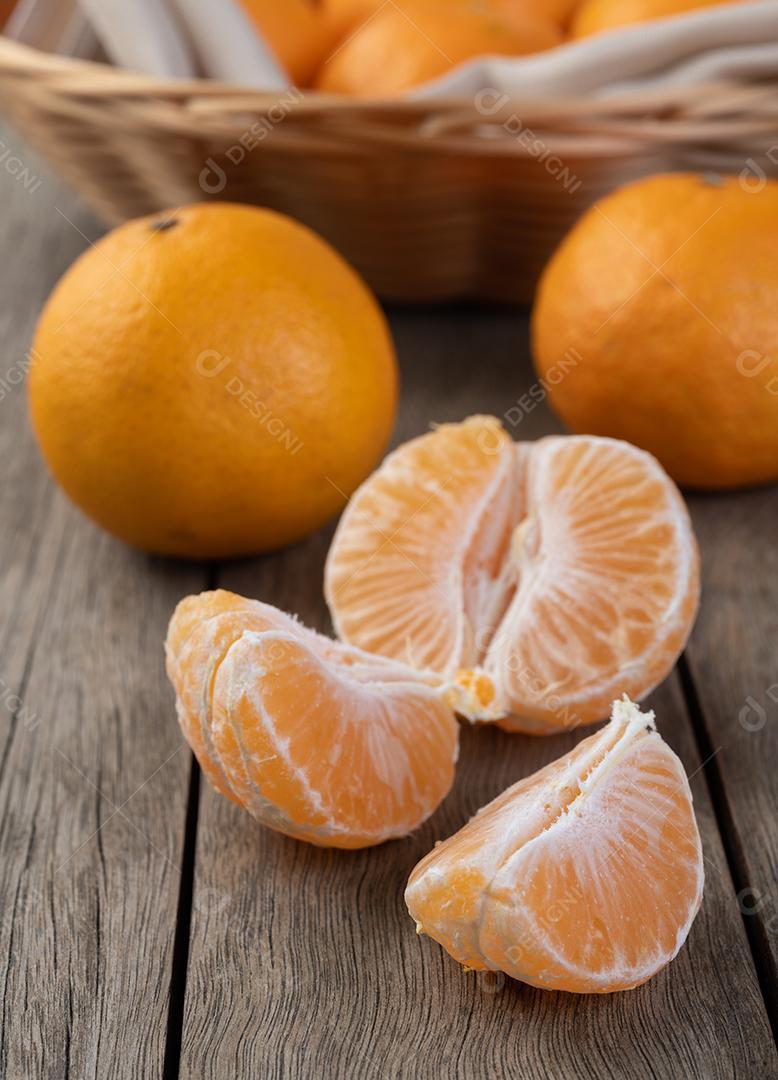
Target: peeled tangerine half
(545,578)
(315,739)
(585,877)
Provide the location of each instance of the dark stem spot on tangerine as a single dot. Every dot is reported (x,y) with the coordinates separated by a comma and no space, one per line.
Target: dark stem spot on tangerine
(163,226)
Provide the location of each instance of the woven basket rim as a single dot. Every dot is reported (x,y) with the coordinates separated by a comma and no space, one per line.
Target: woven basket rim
(484,182)
(88,77)
(83,95)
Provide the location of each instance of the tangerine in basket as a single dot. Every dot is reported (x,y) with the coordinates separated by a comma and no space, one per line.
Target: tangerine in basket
(345,16)
(294,31)
(316,740)
(409,43)
(212,381)
(559,11)
(666,291)
(545,578)
(584,877)
(594,16)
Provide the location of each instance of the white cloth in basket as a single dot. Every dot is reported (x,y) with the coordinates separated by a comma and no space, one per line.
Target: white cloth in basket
(214,38)
(731,42)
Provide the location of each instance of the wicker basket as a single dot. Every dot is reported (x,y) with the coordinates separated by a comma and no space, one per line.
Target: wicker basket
(430,200)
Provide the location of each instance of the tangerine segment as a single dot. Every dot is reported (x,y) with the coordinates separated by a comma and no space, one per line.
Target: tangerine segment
(609,584)
(201,632)
(316,739)
(449,900)
(585,877)
(418,550)
(542,578)
(339,761)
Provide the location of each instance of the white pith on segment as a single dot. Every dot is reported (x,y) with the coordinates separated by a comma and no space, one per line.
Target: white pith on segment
(561,862)
(392,720)
(535,579)
(417,615)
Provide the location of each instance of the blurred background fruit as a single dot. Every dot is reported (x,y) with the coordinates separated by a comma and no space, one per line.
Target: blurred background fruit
(295,32)
(213,382)
(402,46)
(6,7)
(556,12)
(559,11)
(343,16)
(594,16)
(656,322)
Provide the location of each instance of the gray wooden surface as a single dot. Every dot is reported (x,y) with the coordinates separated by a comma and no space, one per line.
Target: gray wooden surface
(148,928)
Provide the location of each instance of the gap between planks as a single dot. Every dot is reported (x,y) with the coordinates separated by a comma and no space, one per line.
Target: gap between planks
(756,932)
(754,928)
(182,932)
(180,962)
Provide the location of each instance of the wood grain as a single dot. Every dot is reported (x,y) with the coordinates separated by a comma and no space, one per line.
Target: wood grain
(305,962)
(733,660)
(93,774)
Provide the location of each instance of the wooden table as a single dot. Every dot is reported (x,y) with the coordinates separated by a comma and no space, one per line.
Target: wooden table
(149,928)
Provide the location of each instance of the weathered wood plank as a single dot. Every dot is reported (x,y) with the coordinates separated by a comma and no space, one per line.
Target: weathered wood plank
(305,963)
(733,660)
(32,522)
(93,780)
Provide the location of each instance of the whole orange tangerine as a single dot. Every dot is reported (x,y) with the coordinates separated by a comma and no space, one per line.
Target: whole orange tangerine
(294,31)
(656,322)
(594,16)
(559,11)
(408,43)
(345,16)
(212,381)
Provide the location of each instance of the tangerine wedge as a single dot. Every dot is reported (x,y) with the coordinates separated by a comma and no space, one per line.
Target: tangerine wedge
(585,877)
(546,577)
(315,739)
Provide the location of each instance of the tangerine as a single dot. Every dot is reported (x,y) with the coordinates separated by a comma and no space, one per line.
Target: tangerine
(543,577)
(212,381)
(665,291)
(584,877)
(316,740)
(402,45)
